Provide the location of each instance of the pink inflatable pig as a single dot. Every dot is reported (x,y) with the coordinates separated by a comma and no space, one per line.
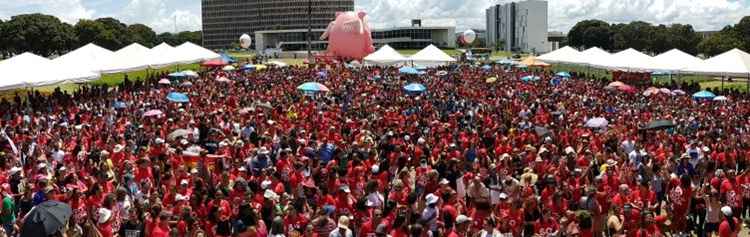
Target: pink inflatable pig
(349,36)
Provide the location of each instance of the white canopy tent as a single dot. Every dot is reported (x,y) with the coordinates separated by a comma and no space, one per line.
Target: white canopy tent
(626,60)
(90,57)
(30,70)
(563,55)
(593,55)
(431,56)
(675,61)
(164,55)
(734,62)
(192,53)
(131,58)
(385,56)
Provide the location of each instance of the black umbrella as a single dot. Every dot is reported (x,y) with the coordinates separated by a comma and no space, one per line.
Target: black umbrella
(659,124)
(542,131)
(46,219)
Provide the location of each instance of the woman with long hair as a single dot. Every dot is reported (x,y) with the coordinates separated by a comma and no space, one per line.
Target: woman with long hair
(730,227)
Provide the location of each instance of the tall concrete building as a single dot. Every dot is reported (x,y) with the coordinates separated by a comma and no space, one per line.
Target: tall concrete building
(225,20)
(518,26)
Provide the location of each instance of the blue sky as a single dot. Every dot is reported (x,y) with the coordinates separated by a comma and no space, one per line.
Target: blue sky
(563,14)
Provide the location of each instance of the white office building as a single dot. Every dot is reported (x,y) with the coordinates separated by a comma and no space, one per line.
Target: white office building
(518,26)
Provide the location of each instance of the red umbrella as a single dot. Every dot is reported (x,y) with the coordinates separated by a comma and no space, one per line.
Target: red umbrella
(214,63)
(628,89)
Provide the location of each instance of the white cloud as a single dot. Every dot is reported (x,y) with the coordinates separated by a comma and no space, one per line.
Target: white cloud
(159,15)
(67,10)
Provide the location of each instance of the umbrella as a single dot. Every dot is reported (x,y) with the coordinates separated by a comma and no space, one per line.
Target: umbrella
(627,89)
(704,95)
(312,87)
(491,80)
(190,73)
(408,70)
(187,84)
(178,97)
(266,105)
(659,124)
(679,92)
(260,66)
(415,88)
(441,73)
(153,112)
(223,79)
(165,81)
(226,58)
(542,131)
(651,91)
(278,63)
(530,78)
(616,84)
(246,110)
(248,67)
(486,67)
(177,74)
(721,98)
(46,219)
(563,74)
(228,68)
(214,63)
(665,91)
(597,122)
(531,61)
(323,74)
(178,133)
(421,68)
(120,105)
(505,61)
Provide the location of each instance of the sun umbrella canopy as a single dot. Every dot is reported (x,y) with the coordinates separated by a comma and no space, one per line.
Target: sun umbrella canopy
(597,122)
(178,97)
(186,84)
(408,70)
(190,73)
(226,58)
(179,133)
(704,95)
(165,81)
(177,74)
(679,92)
(563,74)
(153,112)
(228,68)
(491,80)
(46,219)
(721,98)
(415,87)
(531,61)
(530,78)
(659,124)
(616,84)
(312,87)
(223,79)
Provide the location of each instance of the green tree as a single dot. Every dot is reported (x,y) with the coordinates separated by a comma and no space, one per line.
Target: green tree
(168,38)
(37,33)
(3,44)
(590,33)
(194,37)
(115,34)
(660,40)
(743,29)
(684,37)
(636,35)
(722,41)
(142,34)
(89,31)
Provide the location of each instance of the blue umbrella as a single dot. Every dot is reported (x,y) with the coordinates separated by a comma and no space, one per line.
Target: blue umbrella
(323,74)
(408,70)
(530,78)
(563,74)
(421,68)
(120,105)
(227,59)
(177,74)
(248,67)
(312,87)
(486,67)
(178,97)
(704,95)
(415,88)
(505,61)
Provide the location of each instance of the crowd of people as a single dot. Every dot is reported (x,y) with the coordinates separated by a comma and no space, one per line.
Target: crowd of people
(254,156)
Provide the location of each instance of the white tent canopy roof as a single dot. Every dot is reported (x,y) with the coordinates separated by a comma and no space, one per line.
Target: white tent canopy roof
(593,54)
(431,56)
(90,57)
(732,62)
(193,53)
(30,70)
(562,55)
(675,60)
(385,56)
(164,55)
(131,58)
(629,59)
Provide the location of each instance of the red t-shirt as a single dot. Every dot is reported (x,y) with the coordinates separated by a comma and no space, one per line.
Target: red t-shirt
(726,231)
(159,231)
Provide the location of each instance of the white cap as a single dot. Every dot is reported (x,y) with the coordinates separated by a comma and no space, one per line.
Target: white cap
(159,141)
(431,199)
(462,219)
(726,210)
(15,170)
(180,197)
(183,182)
(104,215)
(270,194)
(265,184)
(375,168)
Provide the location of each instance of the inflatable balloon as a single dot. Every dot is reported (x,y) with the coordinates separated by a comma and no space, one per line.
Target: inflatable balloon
(469,36)
(245,41)
(349,35)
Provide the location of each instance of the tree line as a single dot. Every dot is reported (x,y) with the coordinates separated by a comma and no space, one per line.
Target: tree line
(657,39)
(46,35)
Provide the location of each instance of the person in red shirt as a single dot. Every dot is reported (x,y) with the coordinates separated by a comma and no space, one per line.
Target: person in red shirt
(650,225)
(730,226)
(161,229)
